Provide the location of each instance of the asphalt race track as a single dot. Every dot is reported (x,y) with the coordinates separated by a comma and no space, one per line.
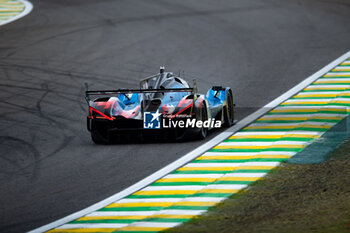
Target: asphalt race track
(49,167)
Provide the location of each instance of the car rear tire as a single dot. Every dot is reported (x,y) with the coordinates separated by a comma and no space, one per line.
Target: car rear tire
(203,132)
(229,110)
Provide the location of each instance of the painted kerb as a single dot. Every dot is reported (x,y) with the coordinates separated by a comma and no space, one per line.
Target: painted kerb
(11,10)
(230,164)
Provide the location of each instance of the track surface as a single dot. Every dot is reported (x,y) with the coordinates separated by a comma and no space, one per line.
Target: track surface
(49,167)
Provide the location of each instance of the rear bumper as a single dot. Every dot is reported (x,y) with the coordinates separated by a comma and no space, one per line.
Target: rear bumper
(120,124)
(130,129)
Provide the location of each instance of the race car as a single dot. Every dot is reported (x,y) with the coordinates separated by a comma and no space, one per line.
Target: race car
(164,106)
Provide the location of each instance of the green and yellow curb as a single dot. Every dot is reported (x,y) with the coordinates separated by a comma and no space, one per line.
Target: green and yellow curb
(11,10)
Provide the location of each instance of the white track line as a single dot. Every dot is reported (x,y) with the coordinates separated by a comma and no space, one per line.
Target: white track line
(28,7)
(196,152)
(213,176)
(155,224)
(337,74)
(116,213)
(245,175)
(92,225)
(174,187)
(145,200)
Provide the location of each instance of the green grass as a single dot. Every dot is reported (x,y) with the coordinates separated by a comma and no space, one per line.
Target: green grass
(291,199)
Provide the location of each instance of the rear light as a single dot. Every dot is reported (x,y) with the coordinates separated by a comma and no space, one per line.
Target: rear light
(185,110)
(99,114)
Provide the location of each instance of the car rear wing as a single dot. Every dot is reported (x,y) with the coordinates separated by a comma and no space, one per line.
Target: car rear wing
(89,93)
(132,91)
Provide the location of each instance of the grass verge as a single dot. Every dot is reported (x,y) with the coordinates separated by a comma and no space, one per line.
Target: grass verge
(292,198)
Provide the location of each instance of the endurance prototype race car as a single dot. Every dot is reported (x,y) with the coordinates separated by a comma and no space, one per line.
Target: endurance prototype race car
(164,106)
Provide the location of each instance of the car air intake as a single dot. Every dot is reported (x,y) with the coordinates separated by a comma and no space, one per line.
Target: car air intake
(151,105)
